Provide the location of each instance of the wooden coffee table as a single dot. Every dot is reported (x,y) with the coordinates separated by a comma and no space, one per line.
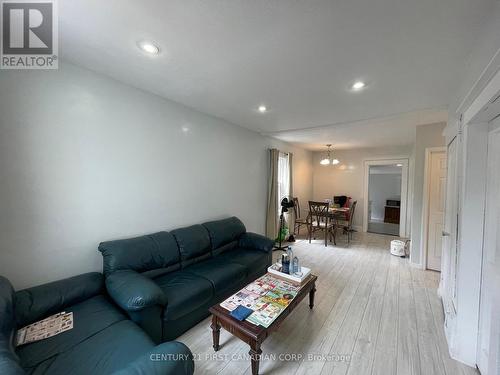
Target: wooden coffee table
(250,333)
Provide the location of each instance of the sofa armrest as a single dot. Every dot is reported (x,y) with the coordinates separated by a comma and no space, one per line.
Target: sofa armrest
(133,291)
(256,241)
(169,358)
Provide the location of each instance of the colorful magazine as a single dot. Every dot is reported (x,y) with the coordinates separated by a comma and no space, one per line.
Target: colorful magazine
(267,296)
(43,329)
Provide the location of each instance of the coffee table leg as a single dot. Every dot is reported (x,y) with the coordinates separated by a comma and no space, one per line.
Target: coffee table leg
(311,297)
(255,353)
(215,332)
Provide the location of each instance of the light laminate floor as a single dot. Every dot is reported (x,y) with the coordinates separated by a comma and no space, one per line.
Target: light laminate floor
(383,228)
(373,314)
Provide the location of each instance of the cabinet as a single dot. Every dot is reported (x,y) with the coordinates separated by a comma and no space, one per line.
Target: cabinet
(391,214)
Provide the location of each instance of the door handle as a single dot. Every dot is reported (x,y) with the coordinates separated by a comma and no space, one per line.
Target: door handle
(445,234)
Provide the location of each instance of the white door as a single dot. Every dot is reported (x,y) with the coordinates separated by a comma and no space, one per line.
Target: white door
(489,313)
(436,204)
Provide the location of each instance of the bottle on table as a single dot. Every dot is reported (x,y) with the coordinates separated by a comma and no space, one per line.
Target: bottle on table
(285,263)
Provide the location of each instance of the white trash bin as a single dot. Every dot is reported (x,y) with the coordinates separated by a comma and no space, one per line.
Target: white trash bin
(398,248)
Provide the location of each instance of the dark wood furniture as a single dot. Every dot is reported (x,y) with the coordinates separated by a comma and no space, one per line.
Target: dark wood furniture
(320,219)
(299,221)
(250,333)
(391,214)
(345,219)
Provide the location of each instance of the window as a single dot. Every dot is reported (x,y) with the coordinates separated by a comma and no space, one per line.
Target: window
(283,178)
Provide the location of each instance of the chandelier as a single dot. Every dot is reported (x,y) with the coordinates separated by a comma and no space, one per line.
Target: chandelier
(328,160)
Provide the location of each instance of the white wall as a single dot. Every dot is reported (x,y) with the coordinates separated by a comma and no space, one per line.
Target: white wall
(426,136)
(347,177)
(84,158)
(482,64)
(382,186)
(482,70)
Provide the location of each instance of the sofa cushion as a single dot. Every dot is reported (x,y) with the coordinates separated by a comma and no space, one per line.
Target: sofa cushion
(185,292)
(222,274)
(178,361)
(8,360)
(7,319)
(38,302)
(253,260)
(103,353)
(193,242)
(158,250)
(224,231)
(89,318)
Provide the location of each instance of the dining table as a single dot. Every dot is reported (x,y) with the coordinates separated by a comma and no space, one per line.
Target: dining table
(336,212)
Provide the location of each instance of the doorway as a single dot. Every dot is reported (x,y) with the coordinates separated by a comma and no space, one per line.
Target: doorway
(384,199)
(434,202)
(385,194)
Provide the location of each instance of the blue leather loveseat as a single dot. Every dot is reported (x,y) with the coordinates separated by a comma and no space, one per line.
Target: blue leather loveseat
(166,281)
(103,340)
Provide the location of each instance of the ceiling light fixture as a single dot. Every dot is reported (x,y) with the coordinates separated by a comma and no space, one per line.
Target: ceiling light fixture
(399,165)
(262,109)
(149,47)
(328,160)
(358,85)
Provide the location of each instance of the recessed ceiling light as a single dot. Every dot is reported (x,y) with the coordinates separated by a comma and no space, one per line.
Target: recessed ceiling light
(399,165)
(149,47)
(358,85)
(262,109)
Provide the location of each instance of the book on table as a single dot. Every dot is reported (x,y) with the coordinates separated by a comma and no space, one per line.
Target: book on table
(267,296)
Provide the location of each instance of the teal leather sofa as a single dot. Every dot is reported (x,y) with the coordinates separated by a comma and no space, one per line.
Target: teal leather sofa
(103,340)
(166,281)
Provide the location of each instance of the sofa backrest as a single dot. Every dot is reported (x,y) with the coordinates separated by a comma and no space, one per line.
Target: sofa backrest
(141,254)
(8,360)
(194,244)
(224,233)
(163,252)
(41,301)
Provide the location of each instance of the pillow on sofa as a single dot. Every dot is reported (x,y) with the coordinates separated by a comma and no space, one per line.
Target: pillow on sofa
(224,233)
(144,253)
(41,301)
(193,242)
(8,361)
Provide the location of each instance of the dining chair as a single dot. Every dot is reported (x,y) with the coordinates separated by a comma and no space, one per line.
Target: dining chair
(299,221)
(348,227)
(319,219)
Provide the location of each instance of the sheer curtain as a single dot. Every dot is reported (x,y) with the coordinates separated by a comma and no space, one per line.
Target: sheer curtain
(283,178)
(280,186)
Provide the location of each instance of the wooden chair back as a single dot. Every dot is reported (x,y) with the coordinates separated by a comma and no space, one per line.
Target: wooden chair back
(318,212)
(351,214)
(296,207)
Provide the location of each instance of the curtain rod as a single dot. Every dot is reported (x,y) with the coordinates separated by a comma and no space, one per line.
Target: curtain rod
(283,152)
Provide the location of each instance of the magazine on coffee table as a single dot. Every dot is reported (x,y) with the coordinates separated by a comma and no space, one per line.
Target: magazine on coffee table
(43,329)
(267,296)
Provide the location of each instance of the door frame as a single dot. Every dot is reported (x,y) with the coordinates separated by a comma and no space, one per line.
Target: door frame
(473,115)
(493,127)
(405,161)
(426,202)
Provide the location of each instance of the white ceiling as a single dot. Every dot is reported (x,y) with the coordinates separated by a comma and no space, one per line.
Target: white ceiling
(226,57)
(392,130)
